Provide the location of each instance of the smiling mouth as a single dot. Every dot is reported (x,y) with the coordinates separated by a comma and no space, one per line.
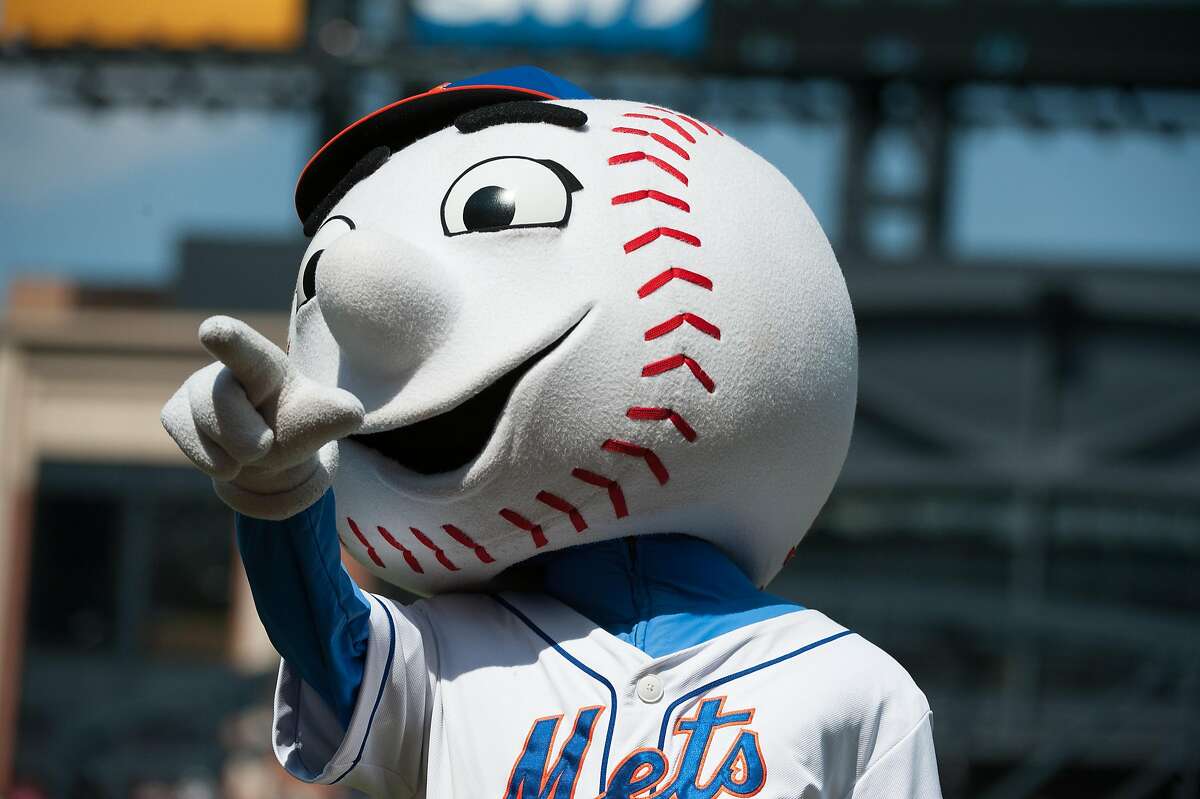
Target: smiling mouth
(453,439)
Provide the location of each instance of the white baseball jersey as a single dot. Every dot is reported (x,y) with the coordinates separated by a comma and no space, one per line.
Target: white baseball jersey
(517,696)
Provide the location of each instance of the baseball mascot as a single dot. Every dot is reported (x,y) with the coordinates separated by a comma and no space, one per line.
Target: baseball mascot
(581,372)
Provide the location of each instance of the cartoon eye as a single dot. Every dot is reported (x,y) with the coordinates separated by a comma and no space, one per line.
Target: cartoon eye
(330,231)
(508,192)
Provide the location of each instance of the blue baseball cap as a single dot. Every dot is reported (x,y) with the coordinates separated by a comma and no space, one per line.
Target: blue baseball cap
(405,121)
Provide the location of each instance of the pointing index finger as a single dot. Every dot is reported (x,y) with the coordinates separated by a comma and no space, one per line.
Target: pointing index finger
(254,359)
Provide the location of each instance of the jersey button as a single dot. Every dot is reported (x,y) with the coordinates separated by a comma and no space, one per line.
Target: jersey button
(650,689)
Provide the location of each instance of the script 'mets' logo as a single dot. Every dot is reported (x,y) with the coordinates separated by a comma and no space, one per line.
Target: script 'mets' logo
(645,773)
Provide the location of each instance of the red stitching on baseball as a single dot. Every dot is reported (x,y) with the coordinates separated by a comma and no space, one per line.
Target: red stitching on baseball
(562,506)
(684,117)
(437,551)
(517,520)
(674,273)
(676,361)
(639,155)
(362,539)
(651,235)
(693,122)
(672,146)
(638,451)
(699,126)
(466,540)
(652,194)
(680,129)
(663,414)
(409,557)
(672,124)
(658,137)
(704,326)
(615,495)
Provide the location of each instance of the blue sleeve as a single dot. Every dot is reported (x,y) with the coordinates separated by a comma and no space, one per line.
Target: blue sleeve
(316,617)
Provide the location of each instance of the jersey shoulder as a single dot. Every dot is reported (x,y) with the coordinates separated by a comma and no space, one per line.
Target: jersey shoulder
(450,607)
(847,693)
(472,631)
(852,680)
(453,611)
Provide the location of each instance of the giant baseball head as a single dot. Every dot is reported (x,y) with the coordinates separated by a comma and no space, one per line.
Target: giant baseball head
(568,320)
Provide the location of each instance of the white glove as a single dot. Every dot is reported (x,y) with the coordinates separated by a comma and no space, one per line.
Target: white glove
(266,434)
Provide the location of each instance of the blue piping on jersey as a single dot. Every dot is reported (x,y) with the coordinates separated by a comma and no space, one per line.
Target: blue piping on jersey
(703,689)
(383,681)
(612,692)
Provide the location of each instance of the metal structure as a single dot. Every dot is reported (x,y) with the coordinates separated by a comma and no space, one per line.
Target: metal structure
(1022,501)
(1019,519)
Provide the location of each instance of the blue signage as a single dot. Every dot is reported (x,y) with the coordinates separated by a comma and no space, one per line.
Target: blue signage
(672,26)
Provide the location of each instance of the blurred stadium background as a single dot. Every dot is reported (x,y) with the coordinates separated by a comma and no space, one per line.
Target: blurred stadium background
(1013,189)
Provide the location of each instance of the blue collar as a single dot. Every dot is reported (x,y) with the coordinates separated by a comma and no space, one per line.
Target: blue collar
(660,593)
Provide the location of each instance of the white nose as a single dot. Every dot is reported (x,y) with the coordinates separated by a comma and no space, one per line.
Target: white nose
(385,301)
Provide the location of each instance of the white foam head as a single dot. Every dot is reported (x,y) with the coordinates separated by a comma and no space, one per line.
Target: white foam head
(705,384)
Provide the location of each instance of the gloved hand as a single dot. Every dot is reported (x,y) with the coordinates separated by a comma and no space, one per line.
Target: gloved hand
(266,434)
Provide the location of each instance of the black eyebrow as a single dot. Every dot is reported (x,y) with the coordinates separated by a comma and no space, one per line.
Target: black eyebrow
(477,119)
(345,219)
